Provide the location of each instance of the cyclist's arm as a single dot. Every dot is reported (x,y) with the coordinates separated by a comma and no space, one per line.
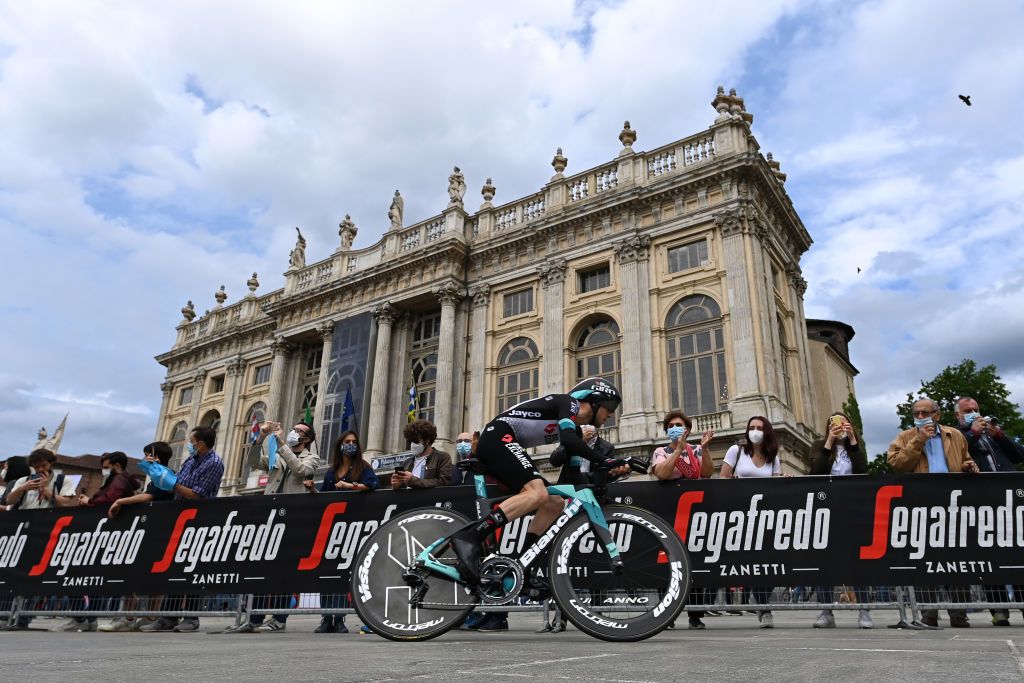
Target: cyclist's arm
(574,443)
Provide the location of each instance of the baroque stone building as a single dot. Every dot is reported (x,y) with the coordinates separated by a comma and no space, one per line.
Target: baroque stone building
(674,272)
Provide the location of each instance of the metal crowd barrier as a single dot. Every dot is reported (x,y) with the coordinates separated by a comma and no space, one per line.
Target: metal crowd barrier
(908,601)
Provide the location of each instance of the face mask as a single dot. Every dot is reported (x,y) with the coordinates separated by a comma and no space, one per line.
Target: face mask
(922,421)
(106,472)
(971,417)
(348,448)
(293,438)
(676,433)
(417,449)
(756,436)
(191,449)
(463,449)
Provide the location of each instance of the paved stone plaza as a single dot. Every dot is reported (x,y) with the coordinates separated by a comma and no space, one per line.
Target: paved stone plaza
(731,649)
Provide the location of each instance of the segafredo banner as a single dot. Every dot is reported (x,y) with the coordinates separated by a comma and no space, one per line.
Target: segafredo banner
(912,530)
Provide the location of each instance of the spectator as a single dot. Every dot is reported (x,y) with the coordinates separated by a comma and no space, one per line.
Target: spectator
(680,460)
(428,467)
(463,450)
(756,456)
(43,488)
(992,451)
(117,483)
(161,452)
(198,479)
(839,454)
(348,472)
(290,463)
(576,470)
(14,469)
(931,447)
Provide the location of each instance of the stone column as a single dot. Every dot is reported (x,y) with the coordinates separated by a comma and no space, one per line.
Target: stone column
(744,382)
(398,392)
(796,293)
(449,294)
(385,315)
(167,388)
(234,371)
(772,352)
(326,331)
(278,369)
(197,396)
(552,276)
(631,252)
(481,295)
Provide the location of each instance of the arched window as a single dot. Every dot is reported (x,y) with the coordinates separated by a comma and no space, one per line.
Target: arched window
(211,419)
(787,384)
(177,442)
(518,373)
(696,356)
(424,377)
(597,354)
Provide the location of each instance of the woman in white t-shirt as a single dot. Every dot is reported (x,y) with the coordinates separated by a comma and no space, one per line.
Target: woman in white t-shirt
(756,456)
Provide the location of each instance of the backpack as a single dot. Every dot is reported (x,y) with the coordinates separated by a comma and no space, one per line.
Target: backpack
(58,484)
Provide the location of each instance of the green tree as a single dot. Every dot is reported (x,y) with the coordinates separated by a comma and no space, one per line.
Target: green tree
(852,410)
(880,465)
(966,379)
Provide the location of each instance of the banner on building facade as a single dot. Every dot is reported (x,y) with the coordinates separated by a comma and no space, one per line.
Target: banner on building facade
(908,530)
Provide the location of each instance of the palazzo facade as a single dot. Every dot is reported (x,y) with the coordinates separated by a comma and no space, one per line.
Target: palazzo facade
(675,273)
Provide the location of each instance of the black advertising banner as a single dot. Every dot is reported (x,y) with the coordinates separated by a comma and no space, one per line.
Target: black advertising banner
(908,530)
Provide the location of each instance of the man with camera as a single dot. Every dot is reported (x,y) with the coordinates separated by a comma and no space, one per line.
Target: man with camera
(988,445)
(993,451)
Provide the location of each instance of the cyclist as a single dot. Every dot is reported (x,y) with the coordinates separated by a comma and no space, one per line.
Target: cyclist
(502,450)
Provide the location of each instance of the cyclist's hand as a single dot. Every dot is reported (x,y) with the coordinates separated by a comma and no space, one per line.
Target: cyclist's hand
(620,471)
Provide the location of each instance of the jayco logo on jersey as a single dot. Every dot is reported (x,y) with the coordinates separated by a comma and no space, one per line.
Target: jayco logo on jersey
(523,413)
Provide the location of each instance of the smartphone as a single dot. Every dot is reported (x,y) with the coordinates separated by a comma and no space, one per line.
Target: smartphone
(33,477)
(836,420)
(399,469)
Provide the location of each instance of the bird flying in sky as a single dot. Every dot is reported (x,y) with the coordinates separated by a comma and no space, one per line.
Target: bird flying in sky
(966,99)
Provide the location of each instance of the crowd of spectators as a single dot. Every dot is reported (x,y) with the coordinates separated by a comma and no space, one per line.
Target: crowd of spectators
(979,444)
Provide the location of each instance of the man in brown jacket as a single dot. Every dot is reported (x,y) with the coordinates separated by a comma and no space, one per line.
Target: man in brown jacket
(428,467)
(931,447)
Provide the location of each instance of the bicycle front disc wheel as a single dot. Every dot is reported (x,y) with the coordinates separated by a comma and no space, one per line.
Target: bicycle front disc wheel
(382,597)
(637,602)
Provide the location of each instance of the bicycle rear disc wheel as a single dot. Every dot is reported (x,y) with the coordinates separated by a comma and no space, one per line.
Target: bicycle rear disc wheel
(639,601)
(380,594)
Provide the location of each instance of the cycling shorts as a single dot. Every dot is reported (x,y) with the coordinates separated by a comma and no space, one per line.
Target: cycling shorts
(504,458)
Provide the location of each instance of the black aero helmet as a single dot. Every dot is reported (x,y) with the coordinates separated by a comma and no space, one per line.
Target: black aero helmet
(597,391)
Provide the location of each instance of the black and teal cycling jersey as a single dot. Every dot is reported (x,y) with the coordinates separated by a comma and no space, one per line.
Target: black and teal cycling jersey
(539,421)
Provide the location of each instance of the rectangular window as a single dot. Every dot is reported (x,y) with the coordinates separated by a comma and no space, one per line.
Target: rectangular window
(217,384)
(594,278)
(426,329)
(692,255)
(517,303)
(262,374)
(186,396)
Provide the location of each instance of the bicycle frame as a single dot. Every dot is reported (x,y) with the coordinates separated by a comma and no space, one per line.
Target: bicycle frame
(579,499)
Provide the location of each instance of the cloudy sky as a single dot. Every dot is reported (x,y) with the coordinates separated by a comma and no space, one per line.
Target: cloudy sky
(150,153)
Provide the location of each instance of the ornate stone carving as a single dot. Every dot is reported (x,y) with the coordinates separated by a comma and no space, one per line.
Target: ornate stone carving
(456,187)
(297,256)
(552,272)
(347,230)
(326,329)
(235,367)
(221,296)
(559,162)
(166,388)
(449,294)
(488,191)
(759,228)
(188,311)
(396,210)
(198,378)
(385,313)
(729,223)
(481,295)
(627,137)
(253,284)
(634,248)
(280,347)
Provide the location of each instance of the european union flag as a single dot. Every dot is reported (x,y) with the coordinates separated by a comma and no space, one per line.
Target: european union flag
(349,411)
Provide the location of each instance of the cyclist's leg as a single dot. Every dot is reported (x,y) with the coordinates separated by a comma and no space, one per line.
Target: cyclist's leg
(507,462)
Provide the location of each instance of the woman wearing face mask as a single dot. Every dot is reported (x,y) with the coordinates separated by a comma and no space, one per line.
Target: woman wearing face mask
(839,454)
(756,456)
(350,473)
(680,460)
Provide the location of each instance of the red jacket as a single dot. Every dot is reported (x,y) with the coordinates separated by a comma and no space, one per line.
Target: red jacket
(118,486)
